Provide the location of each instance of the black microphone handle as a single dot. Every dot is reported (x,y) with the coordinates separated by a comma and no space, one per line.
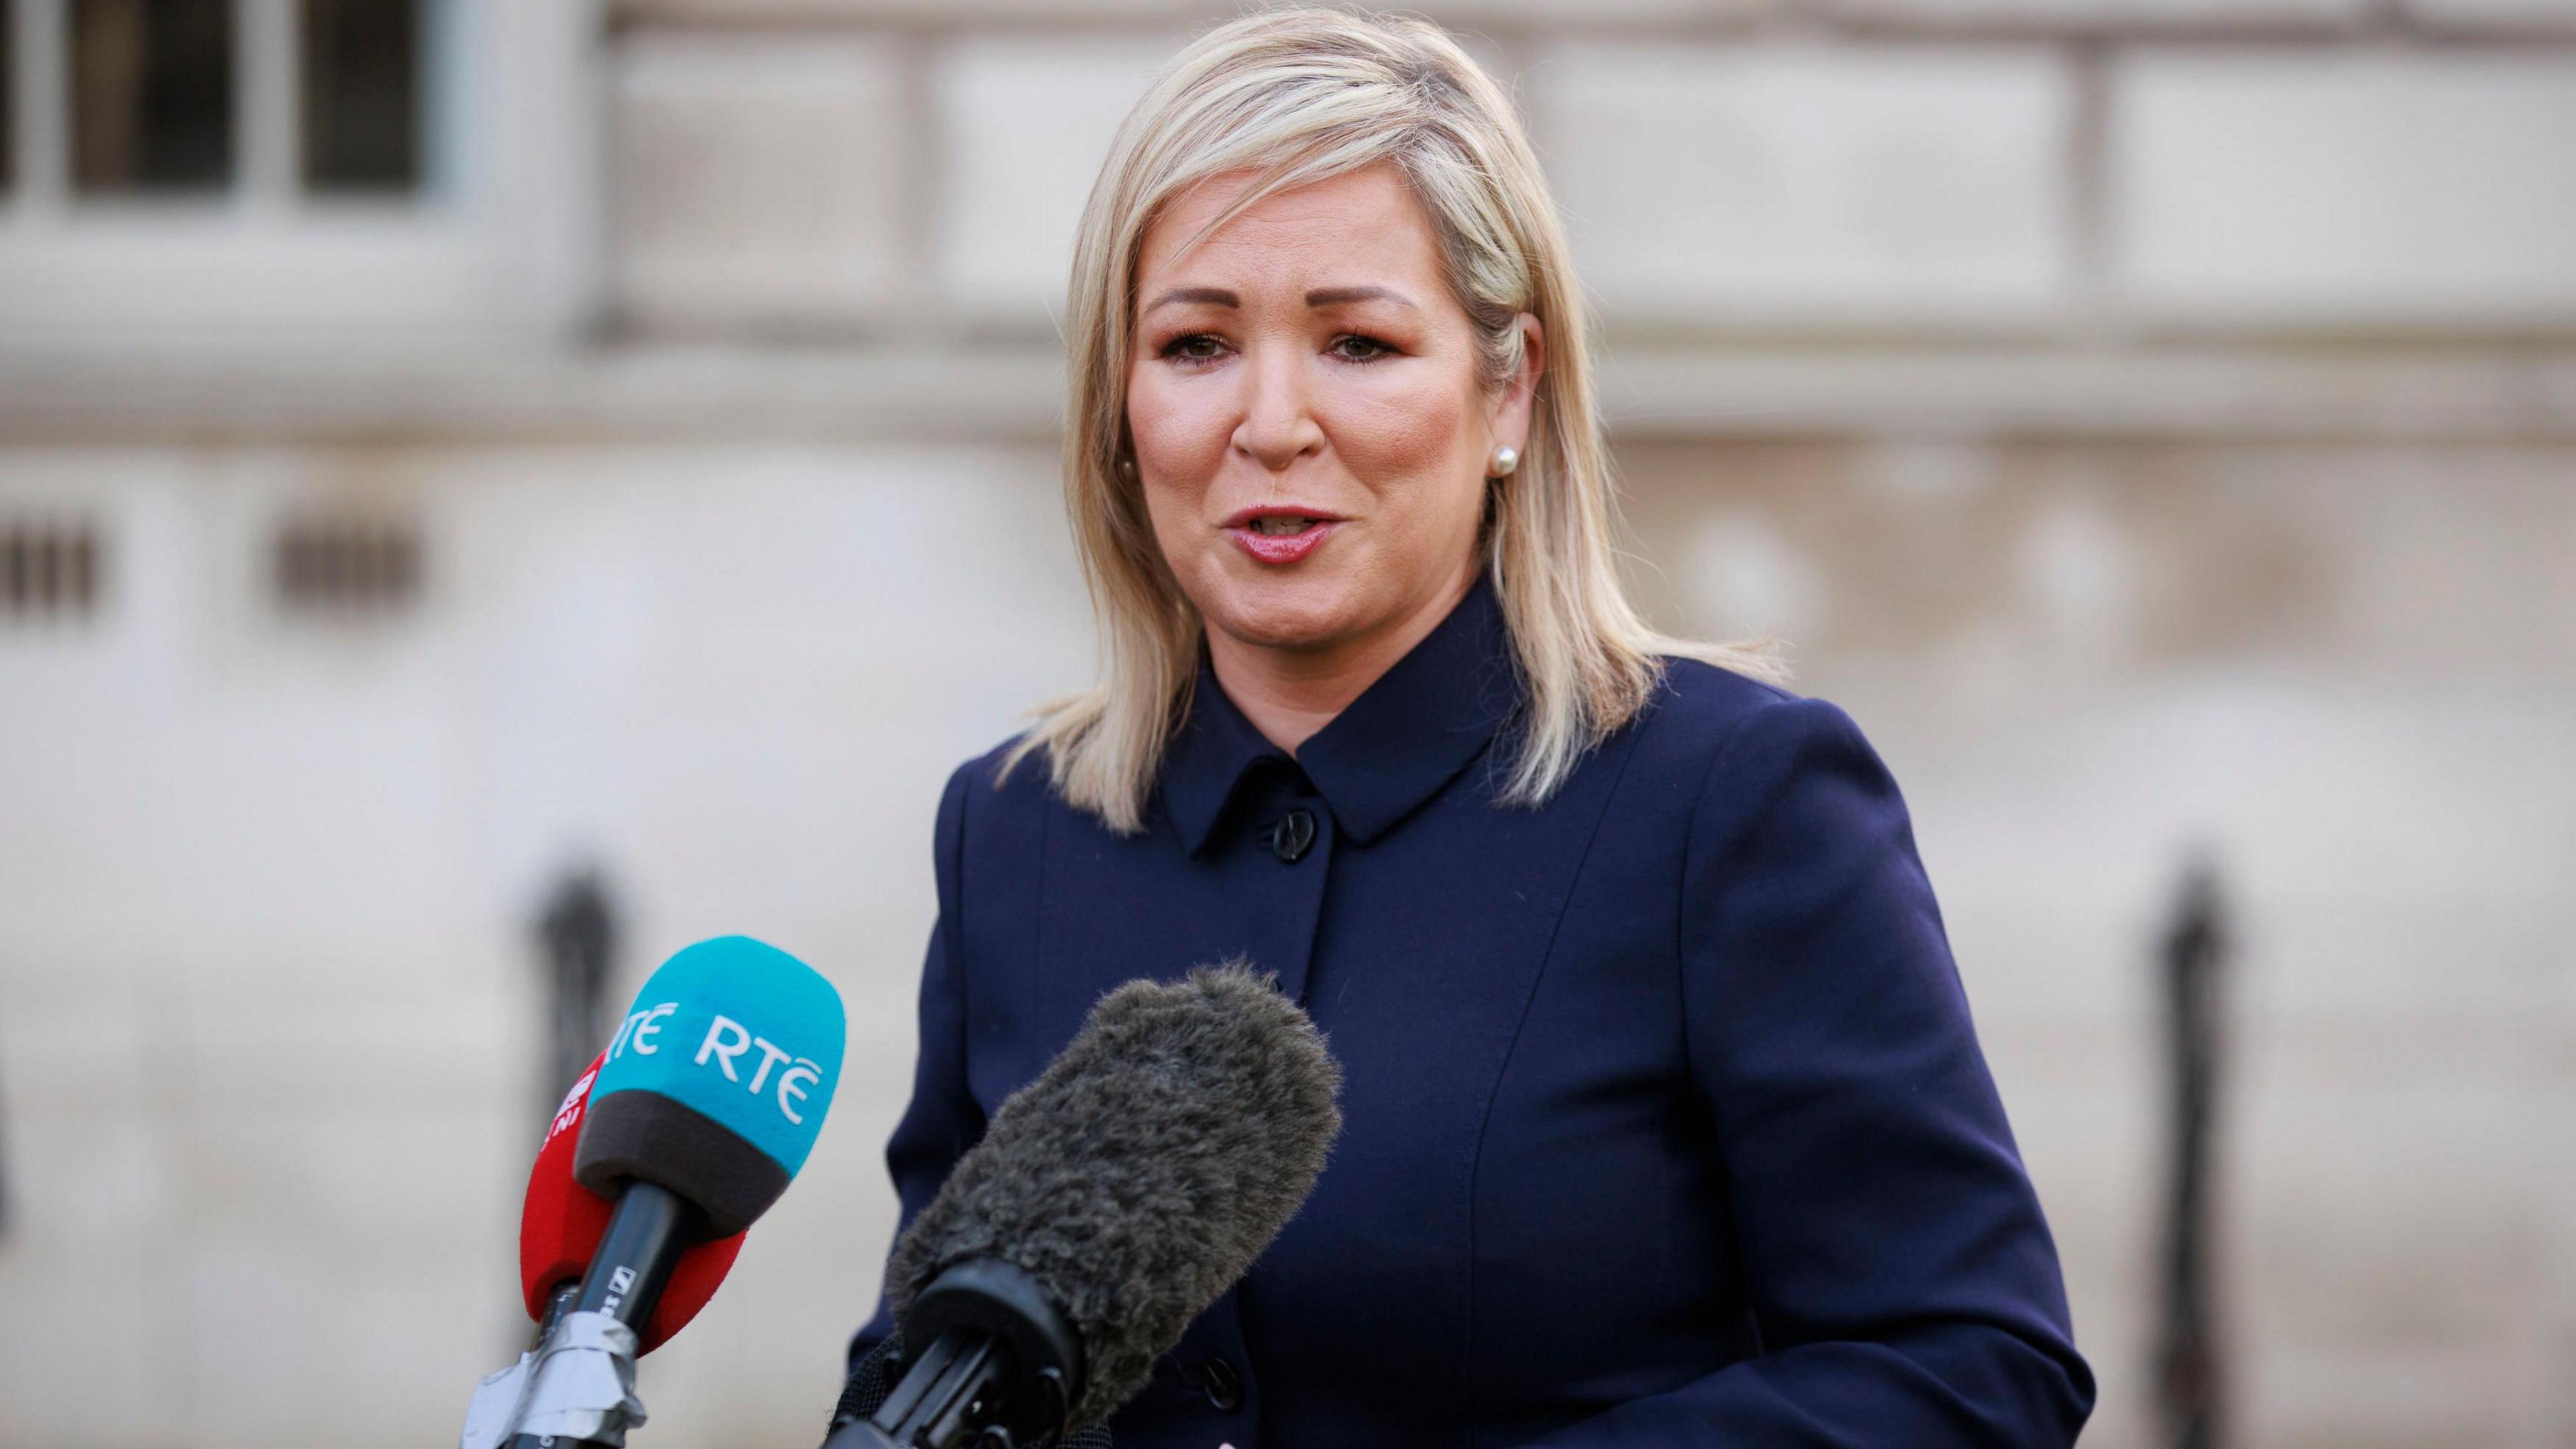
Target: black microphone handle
(1002,1367)
(558,1303)
(646,1234)
(859,1434)
(947,1393)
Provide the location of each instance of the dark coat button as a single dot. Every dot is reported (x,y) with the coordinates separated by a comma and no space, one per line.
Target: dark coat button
(1224,1386)
(1293,834)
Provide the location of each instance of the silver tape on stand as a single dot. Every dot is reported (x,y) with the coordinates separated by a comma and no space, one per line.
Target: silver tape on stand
(579,1385)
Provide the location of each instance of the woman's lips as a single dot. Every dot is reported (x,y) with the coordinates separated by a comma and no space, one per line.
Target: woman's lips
(1282,548)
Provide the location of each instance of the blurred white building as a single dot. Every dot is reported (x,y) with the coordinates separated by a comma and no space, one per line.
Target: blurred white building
(444,443)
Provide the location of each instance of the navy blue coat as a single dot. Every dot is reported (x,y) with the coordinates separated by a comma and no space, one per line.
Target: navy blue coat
(1665,1123)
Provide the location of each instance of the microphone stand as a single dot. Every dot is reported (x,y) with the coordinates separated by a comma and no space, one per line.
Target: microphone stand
(644,1239)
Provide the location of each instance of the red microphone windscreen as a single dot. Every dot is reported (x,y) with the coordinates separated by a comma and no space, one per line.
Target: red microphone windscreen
(560,1229)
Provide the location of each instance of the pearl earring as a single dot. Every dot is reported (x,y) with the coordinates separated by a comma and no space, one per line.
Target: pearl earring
(1505,459)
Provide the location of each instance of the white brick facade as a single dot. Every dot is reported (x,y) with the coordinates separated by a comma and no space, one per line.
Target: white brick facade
(2541,16)
(1778,185)
(759,181)
(2114,16)
(2346,190)
(1023,126)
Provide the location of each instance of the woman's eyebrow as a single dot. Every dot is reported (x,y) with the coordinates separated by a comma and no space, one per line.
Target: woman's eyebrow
(1217,295)
(1320,297)
(1335,296)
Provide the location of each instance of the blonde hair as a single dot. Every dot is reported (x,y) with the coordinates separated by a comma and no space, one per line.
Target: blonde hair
(1298,96)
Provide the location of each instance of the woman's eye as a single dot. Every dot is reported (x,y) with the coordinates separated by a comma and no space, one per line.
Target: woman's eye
(1351,347)
(1197,347)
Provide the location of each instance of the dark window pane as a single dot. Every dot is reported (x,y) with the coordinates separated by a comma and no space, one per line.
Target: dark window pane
(362,94)
(152,93)
(48,569)
(8,98)
(347,567)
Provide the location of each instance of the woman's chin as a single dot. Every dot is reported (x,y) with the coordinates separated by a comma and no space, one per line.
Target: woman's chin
(1283,612)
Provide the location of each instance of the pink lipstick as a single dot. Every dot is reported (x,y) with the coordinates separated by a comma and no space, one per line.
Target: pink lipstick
(1280,533)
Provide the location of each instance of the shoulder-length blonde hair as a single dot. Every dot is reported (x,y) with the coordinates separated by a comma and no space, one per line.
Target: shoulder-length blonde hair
(1298,96)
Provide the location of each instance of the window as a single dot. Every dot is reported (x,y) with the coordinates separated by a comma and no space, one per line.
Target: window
(346,567)
(8,97)
(296,178)
(152,94)
(362,95)
(153,104)
(48,570)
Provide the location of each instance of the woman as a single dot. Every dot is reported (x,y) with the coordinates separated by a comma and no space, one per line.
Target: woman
(1665,1123)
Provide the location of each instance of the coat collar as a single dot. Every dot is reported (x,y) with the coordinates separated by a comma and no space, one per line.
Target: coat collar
(1388,751)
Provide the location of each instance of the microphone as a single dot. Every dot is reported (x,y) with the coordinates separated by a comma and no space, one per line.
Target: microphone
(703,1108)
(1109,1203)
(562,1222)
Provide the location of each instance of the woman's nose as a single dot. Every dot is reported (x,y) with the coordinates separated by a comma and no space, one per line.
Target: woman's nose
(1278,425)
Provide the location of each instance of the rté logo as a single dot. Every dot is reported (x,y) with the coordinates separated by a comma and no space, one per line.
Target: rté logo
(569,1114)
(728,1041)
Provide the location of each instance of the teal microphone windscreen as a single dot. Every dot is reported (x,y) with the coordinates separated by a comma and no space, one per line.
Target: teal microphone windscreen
(716,1083)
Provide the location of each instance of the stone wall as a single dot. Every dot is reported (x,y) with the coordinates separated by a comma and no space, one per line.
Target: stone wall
(2121,169)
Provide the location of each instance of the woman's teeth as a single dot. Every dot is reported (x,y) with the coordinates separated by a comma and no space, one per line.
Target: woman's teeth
(1281,526)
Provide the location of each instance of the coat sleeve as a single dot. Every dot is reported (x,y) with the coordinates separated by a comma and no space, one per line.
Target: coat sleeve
(1901,1277)
(943,1119)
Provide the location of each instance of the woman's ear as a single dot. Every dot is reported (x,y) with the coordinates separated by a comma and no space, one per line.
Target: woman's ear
(1513,402)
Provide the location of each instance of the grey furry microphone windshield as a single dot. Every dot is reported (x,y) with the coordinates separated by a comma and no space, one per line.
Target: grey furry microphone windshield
(1130,1185)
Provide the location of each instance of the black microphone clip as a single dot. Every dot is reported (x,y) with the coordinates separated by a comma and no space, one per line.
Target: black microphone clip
(1001,1368)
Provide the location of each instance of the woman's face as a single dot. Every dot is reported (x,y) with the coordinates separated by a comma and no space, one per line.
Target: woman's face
(1311,434)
